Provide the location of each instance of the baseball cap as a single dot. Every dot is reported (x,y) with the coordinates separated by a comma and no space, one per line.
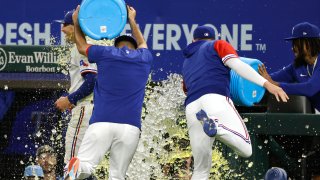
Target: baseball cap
(33,170)
(276,173)
(203,32)
(67,18)
(45,149)
(304,30)
(126,38)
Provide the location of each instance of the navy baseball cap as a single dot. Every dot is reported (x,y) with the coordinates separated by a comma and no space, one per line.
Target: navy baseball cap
(276,173)
(126,38)
(33,170)
(304,30)
(203,32)
(67,18)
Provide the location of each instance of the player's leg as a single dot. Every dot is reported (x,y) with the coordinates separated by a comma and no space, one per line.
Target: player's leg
(77,127)
(231,129)
(201,144)
(96,142)
(122,150)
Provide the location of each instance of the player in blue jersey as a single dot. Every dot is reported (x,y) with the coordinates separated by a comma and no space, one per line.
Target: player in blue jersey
(209,110)
(302,77)
(118,98)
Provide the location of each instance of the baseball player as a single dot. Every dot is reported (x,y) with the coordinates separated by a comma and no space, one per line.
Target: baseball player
(209,110)
(80,98)
(303,75)
(119,92)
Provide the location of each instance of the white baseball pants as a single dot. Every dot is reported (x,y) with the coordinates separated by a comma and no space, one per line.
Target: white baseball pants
(77,127)
(231,131)
(120,139)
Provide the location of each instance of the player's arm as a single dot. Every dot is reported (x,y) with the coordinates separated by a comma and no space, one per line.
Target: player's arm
(68,102)
(84,90)
(134,28)
(264,73)
(230,58)
(284,75)
(80,39)
(308,88)
(247,72)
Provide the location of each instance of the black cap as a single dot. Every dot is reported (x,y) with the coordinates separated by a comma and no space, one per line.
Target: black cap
(126,38)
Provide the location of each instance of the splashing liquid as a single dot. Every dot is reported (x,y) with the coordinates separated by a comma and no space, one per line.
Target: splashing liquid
(164,150)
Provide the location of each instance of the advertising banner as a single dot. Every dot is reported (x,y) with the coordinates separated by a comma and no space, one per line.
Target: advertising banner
(28,59)
(255,28)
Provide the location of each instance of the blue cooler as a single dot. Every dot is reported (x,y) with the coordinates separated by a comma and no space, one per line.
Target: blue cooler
(102,19)
(244,92)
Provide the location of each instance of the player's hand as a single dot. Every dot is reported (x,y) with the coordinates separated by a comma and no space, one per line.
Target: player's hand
(75,15)
(263,72)
(131,13)
(63,103)
(276,91)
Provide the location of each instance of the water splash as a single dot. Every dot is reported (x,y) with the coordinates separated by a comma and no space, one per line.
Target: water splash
(164,150)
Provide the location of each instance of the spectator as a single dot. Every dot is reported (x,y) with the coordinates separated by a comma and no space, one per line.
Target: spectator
(33,172)
(47,160)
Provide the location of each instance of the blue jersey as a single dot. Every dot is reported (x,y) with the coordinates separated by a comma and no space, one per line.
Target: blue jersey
(204,71)
(298,81)
(120,86)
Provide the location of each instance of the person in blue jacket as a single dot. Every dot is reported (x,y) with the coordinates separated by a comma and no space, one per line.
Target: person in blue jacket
(210,112)
(302,76)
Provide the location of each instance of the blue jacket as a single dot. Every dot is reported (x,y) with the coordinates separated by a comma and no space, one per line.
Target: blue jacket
(297,81)
(120,85)
(204,71)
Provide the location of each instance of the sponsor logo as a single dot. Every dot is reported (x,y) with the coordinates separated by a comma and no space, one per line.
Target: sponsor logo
(3,59)
(176,36)
(34,61)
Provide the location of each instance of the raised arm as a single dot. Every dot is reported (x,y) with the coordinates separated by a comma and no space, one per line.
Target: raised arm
(134,27)
(81,42)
